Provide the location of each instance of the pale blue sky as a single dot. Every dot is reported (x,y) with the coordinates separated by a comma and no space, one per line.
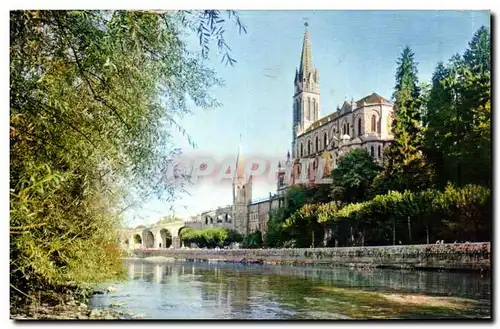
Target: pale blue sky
(355,53)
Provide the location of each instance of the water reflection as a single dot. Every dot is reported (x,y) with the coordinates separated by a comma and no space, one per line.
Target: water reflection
(203,290)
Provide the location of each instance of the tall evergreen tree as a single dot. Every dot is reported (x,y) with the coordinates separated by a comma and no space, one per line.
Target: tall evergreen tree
(458,140)
(405,167)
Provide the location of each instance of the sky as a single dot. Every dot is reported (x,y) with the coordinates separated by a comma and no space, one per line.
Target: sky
(356,54)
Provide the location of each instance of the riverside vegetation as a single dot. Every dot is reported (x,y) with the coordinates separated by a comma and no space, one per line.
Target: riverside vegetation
(94,97)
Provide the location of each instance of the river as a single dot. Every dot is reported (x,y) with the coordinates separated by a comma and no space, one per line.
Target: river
(201,290)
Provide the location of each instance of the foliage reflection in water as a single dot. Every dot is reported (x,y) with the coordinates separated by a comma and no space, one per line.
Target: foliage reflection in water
(198,290)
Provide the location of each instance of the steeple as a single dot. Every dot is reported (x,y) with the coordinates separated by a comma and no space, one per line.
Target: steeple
(305,66)
(239,175)
(306,97)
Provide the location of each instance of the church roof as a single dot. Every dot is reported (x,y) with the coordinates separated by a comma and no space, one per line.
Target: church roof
(374,98)
(322,121)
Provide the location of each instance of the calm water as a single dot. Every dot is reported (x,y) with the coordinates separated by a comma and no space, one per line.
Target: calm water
(200,290)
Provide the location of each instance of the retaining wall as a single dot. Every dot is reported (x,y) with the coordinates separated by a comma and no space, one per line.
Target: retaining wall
(463,256)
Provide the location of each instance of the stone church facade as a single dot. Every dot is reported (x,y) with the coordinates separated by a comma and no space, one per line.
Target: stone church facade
(365,123)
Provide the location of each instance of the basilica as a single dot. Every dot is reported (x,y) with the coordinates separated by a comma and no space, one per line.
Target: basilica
(363,123)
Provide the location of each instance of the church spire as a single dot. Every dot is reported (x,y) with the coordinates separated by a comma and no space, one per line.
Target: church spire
(240,165)
(305,59)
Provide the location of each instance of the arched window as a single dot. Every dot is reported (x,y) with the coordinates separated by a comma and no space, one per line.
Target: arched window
(315,110)
(374,123)
(379,152)
(325,141)
(301,150)
(308,147)
(344,129)
(297,110)
(359,126)
(317,143)
(348,130)
(372,151)
(309,115)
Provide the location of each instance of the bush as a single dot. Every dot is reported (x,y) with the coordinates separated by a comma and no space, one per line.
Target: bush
(411,217)
(211,237)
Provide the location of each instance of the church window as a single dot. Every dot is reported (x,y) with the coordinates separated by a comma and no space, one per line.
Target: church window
(308,147)
(317,143)
(301,150)
(309,112)
(315,110)
(372,151)
(348,130)
(359,126)
(344,129)
(325,140)
(374,123)
(379,152)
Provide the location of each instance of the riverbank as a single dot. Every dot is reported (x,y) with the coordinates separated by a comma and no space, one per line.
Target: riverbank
(450,257)
(69,307)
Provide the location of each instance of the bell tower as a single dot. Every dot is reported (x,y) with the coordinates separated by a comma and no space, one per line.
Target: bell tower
(306,100)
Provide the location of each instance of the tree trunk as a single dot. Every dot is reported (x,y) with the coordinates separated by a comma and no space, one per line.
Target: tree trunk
(325,235)
(312,244)
(352,237)
(409,228)
(393,231)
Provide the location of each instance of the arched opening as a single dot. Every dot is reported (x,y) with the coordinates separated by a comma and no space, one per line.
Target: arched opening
(309,116)
(148,238)
(317,143)
(314,110)
(379,151)
(137,239)
(166,238)
(325,140)
(229,219)
(308,147)
(301,150)
(374,124)
(297,110)
(348,130)
(344,129)
(359,126)
(206,220)
(372,151)
(220,219)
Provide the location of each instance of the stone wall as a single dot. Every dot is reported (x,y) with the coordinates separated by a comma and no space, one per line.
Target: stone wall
(466,256)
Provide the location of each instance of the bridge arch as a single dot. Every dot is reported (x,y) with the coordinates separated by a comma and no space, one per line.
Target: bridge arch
(166,238)
(148,239)
(137,239)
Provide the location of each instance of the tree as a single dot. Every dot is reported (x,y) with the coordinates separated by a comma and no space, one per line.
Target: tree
(406,166)
(458,139)
(94,96)
(276,235)
(353,176)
